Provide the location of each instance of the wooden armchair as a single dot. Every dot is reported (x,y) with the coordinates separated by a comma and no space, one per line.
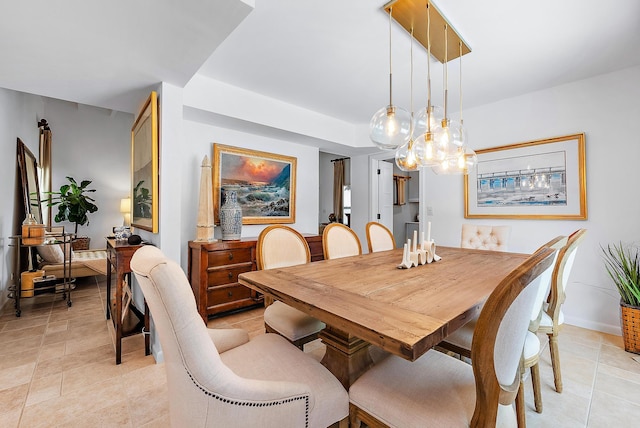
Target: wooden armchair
(379,238)
(339,241)
(281,246)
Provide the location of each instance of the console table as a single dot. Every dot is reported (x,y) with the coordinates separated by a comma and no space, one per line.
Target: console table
(119,255)
(58,285)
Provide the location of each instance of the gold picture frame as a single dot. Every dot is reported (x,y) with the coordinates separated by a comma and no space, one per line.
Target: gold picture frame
(265,184)
(144,167)
(539,180)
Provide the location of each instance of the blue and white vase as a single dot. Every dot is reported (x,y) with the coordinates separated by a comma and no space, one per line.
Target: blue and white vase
(230,217)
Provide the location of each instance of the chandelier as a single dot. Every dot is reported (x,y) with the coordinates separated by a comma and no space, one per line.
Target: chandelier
(432,139)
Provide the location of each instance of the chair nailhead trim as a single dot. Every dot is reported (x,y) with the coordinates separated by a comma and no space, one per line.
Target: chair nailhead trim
(254,404)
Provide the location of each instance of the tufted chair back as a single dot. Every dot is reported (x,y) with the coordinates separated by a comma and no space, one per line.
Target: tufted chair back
(264,382)
(495,238)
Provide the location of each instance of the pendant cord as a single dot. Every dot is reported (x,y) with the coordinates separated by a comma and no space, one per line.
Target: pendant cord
(428,69)
(390,69)
(411,86)
(461,121)
(446,75)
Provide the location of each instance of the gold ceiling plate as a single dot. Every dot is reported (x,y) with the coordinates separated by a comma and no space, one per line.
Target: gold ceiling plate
(413,14)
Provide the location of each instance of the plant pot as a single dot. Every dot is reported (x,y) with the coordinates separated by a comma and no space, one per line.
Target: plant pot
(80,243)
(630,322)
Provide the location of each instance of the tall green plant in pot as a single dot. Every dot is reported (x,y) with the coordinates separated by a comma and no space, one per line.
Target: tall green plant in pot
(74,204)
(623,265)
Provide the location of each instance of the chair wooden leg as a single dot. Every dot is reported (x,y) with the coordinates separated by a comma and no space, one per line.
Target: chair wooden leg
(520,406)
(537,392)
(344,423)
(555,362)
(353,416)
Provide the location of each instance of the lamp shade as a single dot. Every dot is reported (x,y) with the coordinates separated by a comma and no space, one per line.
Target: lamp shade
(426,122)
(125,205)
(406,158)
(390,127)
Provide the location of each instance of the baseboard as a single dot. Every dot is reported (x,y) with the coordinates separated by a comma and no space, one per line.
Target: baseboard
(597,326)
(158,355)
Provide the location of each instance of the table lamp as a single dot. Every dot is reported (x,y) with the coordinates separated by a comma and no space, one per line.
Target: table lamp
(125,209)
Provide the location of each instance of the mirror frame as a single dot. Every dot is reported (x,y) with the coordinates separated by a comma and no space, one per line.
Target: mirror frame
(28,166)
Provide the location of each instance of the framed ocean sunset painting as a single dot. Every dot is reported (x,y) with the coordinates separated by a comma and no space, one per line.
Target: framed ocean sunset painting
(265,184)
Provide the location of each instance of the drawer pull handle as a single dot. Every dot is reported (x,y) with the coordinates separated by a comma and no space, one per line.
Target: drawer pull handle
(230,294)
(230,275)
(230,256)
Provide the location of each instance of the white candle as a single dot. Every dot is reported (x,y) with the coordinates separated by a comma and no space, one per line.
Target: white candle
(428,231)
(415,240)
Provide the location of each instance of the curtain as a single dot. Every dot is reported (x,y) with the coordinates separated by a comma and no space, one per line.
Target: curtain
(45,170)
(401,189)
(338,189)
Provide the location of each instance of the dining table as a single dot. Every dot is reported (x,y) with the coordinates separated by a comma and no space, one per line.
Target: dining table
(368,300)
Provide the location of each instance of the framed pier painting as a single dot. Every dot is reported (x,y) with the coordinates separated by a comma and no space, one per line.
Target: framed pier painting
(543,179)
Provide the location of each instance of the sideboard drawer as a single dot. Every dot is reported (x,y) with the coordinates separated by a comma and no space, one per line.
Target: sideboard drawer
(231,256)
(227,293)
(227,274)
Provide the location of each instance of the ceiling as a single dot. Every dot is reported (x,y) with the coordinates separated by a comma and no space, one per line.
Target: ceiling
(328,56)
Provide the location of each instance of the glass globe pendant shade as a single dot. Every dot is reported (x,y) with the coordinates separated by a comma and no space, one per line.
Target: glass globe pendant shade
(420,126)
(460,162)
(450,132)
(425,149)
(390,127)
(406,158)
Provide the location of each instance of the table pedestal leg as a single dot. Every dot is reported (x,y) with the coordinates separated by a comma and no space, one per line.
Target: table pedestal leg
(347,356)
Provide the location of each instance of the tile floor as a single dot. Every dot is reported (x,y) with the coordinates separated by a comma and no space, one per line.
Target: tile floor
(57,368)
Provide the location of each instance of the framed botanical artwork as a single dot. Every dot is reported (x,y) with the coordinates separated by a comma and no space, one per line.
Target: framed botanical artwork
(265,184)
(543,179)
(144,167)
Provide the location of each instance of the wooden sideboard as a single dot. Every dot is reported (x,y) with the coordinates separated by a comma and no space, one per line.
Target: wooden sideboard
(213,269)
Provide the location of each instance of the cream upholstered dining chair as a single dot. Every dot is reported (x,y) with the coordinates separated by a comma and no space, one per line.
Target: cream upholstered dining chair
(552,317)
(221,378)
(379,237)
(339,241)
(495,238)
(460,341)
(441,391)
(280,246)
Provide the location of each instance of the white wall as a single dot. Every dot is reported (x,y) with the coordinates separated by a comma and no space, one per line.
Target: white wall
(606,109)
(19,115)
(91,143)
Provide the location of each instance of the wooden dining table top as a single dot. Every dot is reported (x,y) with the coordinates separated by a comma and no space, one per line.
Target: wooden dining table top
(403,311)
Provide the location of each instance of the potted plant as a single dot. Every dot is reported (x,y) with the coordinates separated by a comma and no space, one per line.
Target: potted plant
(623,265)
(74,205)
